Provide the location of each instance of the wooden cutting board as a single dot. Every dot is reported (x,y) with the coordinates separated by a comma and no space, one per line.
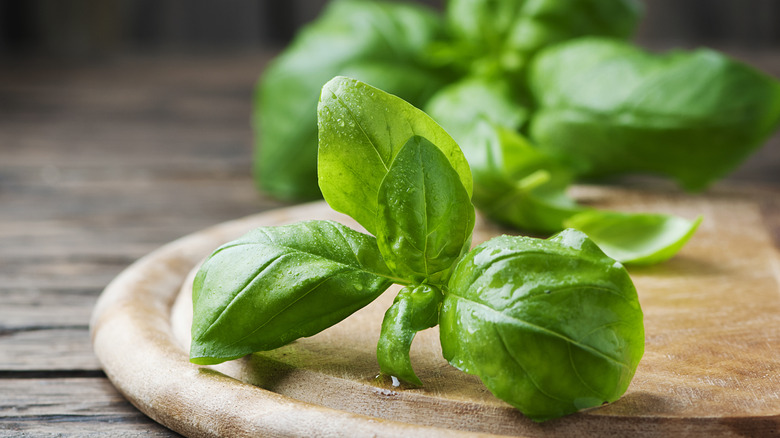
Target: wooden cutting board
(711,363)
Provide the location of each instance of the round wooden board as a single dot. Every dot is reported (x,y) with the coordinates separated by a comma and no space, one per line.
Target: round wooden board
(712,361)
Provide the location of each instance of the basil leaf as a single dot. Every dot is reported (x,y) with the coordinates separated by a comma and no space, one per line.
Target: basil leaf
(510,31)
(277,284)
(514,183)
(635,238)
(517,184)
(379,42)
(458,106)
(361,129)
(414,309)
(424,215)
(611,108)
(550,326)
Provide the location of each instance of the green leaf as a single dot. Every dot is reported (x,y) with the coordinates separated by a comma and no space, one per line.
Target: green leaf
(610,108)
(635,238)
(550,326)
(277,284)
(460,105)
(361,130)
(424,214)
(514,183)
(517,184)
(510,31)
(414,309)
(379,42)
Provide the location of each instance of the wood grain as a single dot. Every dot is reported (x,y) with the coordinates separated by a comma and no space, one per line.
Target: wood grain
(711,364)
(47,347)
(88,407)
(101,163)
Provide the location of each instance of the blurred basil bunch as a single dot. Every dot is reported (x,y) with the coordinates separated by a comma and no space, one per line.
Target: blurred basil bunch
(537,93)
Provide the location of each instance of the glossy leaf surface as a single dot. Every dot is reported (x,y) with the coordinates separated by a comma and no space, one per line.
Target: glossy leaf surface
(635,238)
(550,326)
(610,108)
(414,309)
(277,284)
(424,214)
(361,130)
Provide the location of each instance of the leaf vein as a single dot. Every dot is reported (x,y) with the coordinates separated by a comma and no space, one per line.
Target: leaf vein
(363,131)
(544,330)
(519,363)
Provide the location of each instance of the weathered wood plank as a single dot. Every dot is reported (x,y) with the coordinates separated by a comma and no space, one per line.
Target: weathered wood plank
(47,348)
(56,274)
(24,309)
(135,200)
(39,142)
(76,407)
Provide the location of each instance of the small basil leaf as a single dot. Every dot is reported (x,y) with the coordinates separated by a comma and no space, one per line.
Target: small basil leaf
(424,215)
(514,183)
(458,106)
(277,284)
(510,31)
(379,42)
(545,22)
(550,326)
(517,184)
(610,108)
(414,309)
(361,129)
(635,238)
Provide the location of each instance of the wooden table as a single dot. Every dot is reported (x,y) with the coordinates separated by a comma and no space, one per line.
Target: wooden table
(102,162)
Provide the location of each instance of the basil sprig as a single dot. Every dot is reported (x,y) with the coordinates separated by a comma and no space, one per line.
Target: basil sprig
(521,185)
(538,93)
(550,326)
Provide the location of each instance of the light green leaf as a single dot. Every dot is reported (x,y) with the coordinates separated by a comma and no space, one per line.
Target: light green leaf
(514,183)
(424,215)
(414,309)
(278,284)
(460,105)
(550,326)
(635,238)
(361,130)
(517,184)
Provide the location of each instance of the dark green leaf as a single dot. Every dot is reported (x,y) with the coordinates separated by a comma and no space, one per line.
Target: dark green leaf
(379,42)
(610,108)
(424,215)
(361,129)
(550,326)
(414,309)
(277,284)
(635,238)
